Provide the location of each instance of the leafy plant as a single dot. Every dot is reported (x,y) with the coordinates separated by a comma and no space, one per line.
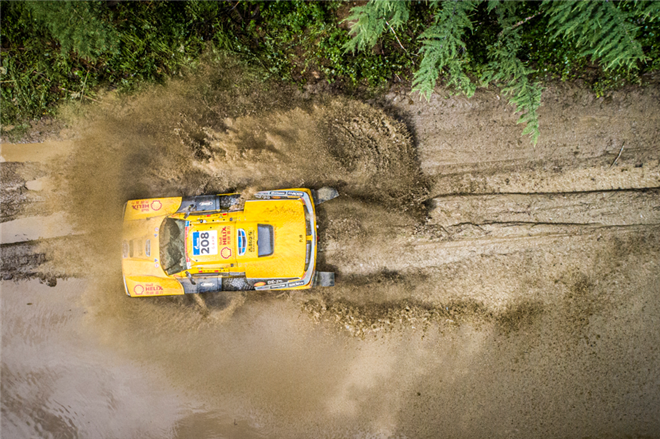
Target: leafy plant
(68,50)
(602,32)
(600,29)
(507,69)
(443,48)
(77,26)
(372,19)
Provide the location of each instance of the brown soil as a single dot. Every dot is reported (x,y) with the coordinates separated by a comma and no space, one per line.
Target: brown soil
(15,197)
(485,287)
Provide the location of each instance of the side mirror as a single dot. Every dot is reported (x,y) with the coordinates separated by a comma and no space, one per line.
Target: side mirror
(189,209)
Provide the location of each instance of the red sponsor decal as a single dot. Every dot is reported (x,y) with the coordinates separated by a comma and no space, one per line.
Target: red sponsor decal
(147,289)
(144,205)
(225,253)
(156,205)
(225,236)
(185,246)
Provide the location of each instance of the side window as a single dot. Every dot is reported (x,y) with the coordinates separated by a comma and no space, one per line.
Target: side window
(265,239)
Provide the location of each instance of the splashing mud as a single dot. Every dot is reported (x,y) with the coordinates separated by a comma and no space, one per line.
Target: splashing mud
(193,138)
(454,316)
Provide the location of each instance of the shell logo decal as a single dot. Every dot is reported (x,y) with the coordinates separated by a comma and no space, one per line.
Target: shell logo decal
(146,206)
(147,289)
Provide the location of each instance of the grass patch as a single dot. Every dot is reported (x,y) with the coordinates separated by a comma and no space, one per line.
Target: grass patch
(295,41)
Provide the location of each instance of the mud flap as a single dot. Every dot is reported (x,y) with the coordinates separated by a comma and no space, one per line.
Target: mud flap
(324,279)
(324,194)
(188,286)
(201,285)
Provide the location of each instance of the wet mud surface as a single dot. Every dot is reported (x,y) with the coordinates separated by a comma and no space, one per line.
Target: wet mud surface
(485,288)
(17,197)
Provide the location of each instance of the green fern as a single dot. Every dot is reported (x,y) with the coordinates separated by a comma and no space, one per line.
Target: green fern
(600,29)
(75,24)
(372,19)
(443,49)
(507,69)
(651,11)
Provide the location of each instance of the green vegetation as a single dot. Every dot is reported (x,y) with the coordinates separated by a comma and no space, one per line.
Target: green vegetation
(67,50)
(77,26)
(604,32)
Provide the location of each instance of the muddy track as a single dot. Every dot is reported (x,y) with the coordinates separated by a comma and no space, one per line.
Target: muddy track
(20,188)
(468,188)
(21,261)
(531,265)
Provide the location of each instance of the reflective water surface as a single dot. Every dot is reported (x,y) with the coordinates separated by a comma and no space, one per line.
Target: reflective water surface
(77,366)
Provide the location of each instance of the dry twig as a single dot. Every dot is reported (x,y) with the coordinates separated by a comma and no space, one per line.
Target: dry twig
(617,157)
(399,41)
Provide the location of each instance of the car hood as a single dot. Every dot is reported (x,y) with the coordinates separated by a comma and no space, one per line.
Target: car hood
(140,247)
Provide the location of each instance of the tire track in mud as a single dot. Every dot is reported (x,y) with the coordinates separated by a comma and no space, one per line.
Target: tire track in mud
(495,197)
(385,221)
(19,192)
(473,146)
(504,303)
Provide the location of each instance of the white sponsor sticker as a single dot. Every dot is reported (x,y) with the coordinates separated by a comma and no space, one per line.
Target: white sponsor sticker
(205,243)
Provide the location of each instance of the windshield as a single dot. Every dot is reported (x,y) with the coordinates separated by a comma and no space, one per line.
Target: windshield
(172,245)
(265,239)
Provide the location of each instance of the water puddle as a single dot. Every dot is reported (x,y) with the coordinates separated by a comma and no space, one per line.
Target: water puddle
(61,380)
(36,227)
(33,152)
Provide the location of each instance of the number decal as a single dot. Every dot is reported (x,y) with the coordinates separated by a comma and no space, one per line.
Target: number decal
(205,243)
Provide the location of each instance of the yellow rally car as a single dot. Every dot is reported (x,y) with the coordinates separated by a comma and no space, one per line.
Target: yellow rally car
(212,243)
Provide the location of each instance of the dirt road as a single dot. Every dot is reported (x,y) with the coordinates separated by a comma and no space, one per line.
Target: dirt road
(486,287)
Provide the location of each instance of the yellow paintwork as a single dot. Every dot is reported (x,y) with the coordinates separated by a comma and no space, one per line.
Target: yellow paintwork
(288,221)
(143,275)
(143,286)
(141,224)
(141,209)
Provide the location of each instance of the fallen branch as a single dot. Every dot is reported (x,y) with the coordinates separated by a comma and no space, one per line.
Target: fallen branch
(399,41)
(617,157)
(524,21)
(71,91)
(521,22)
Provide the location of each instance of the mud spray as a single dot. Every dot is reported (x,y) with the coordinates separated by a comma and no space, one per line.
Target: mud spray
(435,328)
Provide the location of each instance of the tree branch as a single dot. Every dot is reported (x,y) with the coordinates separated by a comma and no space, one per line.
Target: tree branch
(519,23)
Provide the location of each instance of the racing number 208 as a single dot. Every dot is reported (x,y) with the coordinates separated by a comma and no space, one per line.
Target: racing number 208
(204,244)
